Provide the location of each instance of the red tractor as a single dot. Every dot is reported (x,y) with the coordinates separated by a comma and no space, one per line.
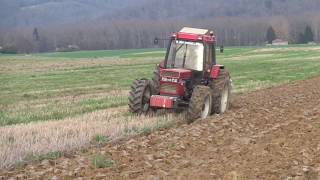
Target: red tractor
(188,79)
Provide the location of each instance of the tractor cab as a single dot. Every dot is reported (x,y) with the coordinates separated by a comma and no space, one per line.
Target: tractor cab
(189,78)
(192,49)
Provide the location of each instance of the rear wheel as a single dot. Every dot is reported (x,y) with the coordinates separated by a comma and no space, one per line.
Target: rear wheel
(139,97)
(221,90)
(200,104)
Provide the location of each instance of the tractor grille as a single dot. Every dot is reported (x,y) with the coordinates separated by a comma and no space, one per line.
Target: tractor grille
(168,88)
(169,74)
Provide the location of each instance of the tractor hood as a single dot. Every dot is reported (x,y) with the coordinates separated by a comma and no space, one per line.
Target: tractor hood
(176,73)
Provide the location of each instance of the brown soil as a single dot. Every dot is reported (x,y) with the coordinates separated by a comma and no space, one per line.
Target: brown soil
(269,134)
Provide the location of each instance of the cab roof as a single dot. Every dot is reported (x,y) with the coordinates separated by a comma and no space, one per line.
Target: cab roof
(194,31)
(195,34)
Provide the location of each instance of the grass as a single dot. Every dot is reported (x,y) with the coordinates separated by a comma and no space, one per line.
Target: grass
(107,53)
(50,155)
(100,161)
(58,110)
(100,139)
(58,102)
(54,86)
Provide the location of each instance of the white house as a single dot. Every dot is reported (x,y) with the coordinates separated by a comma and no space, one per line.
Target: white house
(279,42)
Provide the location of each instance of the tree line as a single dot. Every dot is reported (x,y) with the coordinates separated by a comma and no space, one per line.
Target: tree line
(99,35)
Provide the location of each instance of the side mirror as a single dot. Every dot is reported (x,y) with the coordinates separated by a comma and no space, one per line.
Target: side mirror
(221,49)
(162,64)
(156,41)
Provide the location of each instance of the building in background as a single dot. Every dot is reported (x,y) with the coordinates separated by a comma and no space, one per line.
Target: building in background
(280,42)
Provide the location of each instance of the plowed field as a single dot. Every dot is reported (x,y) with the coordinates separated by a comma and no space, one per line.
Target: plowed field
(272,133)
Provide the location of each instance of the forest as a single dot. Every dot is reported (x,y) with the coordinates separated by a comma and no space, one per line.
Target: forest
(29,26)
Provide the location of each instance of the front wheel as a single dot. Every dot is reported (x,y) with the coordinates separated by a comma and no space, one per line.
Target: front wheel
(155,81)
(200,104)
(139,97)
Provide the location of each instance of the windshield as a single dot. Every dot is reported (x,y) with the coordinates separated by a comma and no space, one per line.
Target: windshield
(185,54)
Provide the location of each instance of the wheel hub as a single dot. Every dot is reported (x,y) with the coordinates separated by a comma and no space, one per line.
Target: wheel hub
(205,108)
(224,99)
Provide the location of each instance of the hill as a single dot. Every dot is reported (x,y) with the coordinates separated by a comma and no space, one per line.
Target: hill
(17,13)
(113,24)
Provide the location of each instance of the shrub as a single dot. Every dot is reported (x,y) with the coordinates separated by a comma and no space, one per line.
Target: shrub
(100,161)
(100,139)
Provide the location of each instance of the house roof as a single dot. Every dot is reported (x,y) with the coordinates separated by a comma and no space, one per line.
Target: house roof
(278,41)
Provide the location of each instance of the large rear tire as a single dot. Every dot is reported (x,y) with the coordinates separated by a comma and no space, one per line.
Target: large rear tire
(139,96)
(221,90)
(200,104)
